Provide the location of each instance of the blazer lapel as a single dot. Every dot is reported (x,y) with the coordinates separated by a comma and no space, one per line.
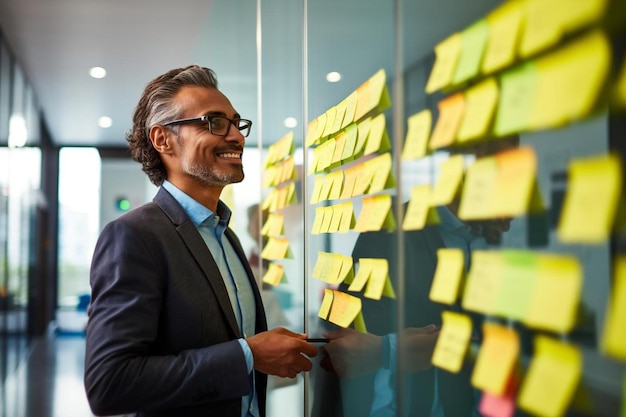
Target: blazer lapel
(198,250)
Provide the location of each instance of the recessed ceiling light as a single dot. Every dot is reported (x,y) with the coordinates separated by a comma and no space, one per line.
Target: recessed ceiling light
(98,72)
(105,121)
(291,122)
(333,77)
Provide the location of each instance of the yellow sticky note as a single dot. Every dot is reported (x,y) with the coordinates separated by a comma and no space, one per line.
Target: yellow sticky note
(516,284)
(518,88)
(382,177)
(556,293)
(479,189)
(274,274)
(362,275)
(350,103)
(419,210)
(552,378)
(496,358)
(274,226)
(614,335)
(339,116)
(349,181)
(473,41)
(318,182)
(590,180)
(342,269)
(345,309)
(325,155)
(277,248)
(375,214)
(504,32)
(269,176)
(363,179)
(483,282)
(347,217)
(363,128)
(418,132)
(451,111)
(516,190)
(318,220)
(378,140)
(448,275)
(314,131)
(480,105)
(379,283)
(447,54)
(323,265)
(456,332)
(577,14)
(327,302)
(336,219)
(372,95)
(340,144)
(327,185)
(351,132)
(448,181)
(336,183)
(542,27)
(570,81)
(330,122)
(328,218)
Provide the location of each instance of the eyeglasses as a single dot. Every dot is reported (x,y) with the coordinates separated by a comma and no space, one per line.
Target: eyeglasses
(218,125)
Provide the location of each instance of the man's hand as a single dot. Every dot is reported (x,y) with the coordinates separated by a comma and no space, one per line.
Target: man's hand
(351,353)
(281,352)
(419,346)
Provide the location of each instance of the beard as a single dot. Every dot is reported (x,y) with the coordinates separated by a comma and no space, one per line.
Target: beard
(208,175)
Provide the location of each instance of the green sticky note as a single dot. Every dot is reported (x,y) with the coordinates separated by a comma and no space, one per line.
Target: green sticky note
(517,93)
(517,283)
(473,41)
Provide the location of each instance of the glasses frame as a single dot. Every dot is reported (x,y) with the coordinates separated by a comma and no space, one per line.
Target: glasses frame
(208,119)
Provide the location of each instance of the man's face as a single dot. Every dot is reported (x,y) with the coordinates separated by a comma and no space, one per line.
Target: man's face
(211,159)
(492,229)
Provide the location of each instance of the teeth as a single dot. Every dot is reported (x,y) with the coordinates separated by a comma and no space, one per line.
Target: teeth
(230,155)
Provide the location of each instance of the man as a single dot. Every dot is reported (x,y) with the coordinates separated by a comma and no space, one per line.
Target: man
(176,323)
(368,362)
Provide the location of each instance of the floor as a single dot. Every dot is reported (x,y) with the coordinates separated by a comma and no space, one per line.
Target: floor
(49,382)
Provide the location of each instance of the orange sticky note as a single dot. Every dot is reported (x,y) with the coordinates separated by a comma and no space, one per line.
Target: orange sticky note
(614,334)
(516,188)
(448,275)
(453,341)
(496,358)
(450,116)
(552,378)
(345,309)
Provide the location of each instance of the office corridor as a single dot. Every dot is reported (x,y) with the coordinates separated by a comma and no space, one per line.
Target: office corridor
(49,382)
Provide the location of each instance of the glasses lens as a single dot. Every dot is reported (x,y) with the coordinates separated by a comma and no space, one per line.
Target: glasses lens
(219,125)
(244,127)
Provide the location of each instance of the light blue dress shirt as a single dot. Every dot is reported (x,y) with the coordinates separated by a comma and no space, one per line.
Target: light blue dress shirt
(211,227)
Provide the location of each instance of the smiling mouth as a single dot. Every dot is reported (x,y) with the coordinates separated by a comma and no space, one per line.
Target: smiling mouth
(230,155)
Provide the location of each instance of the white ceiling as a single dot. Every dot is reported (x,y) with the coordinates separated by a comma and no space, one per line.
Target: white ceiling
(57,41)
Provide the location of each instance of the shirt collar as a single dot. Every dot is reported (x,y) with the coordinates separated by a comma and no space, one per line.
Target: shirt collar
(198,213)
(450,223)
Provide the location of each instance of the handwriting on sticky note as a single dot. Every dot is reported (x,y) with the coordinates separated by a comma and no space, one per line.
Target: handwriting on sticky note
(479,189)
(453,341)
(483,281)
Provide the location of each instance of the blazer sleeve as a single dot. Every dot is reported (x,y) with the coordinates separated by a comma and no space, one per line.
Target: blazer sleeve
(147,344)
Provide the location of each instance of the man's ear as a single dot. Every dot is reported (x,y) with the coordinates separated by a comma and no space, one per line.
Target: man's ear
(160,138)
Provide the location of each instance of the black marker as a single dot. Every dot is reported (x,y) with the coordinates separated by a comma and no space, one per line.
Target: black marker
(317,340)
